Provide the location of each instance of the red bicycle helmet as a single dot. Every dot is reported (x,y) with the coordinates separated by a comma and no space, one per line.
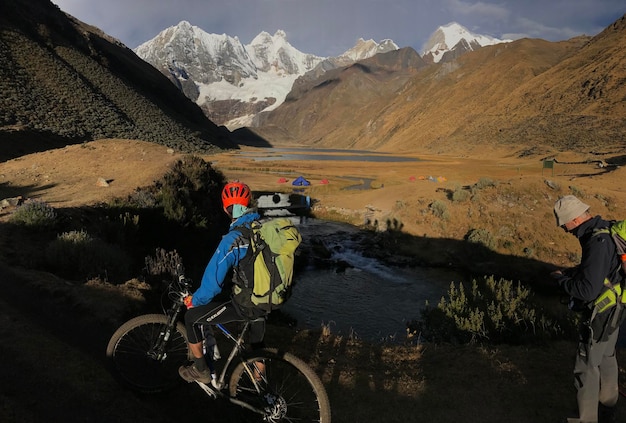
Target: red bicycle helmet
(235,193)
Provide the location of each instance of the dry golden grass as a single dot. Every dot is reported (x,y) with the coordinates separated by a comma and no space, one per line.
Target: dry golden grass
(517,210)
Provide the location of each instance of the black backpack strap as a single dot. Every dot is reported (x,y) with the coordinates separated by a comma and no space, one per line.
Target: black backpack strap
(615,276)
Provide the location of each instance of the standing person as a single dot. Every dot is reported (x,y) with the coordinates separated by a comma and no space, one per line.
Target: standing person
(595,369)
(202,307)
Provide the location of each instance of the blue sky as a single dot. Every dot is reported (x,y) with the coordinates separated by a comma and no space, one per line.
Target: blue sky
(330,27)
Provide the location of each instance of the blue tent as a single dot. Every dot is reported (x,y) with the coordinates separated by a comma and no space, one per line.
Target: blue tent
(300,181)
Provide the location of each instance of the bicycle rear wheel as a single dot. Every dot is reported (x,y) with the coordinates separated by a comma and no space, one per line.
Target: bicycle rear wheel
(130,353)
(291,391)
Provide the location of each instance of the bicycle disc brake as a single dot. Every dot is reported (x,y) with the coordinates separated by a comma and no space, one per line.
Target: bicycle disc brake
(276,408)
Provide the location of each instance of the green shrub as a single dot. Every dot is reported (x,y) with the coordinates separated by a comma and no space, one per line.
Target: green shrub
(439,209)
(485,183)
(34,213)
(79,256)
(460,195)
(496,311)
(190,193)
(482,237)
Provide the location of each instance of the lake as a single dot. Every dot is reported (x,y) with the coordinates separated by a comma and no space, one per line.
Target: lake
(322,154)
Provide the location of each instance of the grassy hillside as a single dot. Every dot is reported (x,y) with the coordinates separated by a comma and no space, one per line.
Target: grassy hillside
(64,82)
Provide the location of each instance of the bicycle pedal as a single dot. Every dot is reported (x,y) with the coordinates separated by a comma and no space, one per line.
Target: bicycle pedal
(208,389)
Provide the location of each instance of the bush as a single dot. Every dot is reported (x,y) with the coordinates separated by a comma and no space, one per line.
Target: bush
(79,256)
(190,193)
(485,183)
(163,263)
(577,192)
(497,311)
(460,195)
(142,199)
(439,209)
(34,213)
(482,237)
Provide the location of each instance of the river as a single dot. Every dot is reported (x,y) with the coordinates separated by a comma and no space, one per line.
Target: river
(362,296)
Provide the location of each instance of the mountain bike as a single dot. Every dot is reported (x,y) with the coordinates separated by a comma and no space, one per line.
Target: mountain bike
(146,352)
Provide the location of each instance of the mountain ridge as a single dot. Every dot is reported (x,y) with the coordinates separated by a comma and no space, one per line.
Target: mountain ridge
(235,82)
(529,95)
(214,79)
(63,82)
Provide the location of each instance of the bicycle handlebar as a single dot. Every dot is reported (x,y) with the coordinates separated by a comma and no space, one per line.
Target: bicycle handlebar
(179,288)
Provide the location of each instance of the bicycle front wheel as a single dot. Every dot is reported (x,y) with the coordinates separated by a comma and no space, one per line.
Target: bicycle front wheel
(282,385)
(132,356)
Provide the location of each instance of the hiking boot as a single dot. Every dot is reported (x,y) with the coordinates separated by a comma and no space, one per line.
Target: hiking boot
(191,374)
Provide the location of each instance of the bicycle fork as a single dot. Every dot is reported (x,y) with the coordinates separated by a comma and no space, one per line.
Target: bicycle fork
(157,352)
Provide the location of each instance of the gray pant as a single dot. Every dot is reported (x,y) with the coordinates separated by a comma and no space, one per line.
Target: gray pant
(595,377)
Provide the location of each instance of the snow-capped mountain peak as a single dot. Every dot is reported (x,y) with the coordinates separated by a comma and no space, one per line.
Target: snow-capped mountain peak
(187,51)
(274,53)
(449,39)
(365,49)
(232,82)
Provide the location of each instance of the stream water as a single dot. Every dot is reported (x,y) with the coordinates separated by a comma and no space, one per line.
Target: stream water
(366,298)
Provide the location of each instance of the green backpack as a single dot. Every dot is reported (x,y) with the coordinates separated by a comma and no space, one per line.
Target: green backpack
(266,272)
(610,306)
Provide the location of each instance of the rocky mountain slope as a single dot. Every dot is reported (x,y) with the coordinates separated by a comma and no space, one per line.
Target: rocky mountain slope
(233,82)
(527,95)
(338,101)
(63,82)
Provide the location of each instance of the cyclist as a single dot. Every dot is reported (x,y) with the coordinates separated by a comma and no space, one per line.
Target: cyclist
(202,307)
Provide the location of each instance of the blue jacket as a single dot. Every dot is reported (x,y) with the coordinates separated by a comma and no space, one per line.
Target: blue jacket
(231,249)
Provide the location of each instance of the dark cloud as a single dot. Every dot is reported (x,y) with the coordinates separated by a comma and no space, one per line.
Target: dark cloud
(330,27)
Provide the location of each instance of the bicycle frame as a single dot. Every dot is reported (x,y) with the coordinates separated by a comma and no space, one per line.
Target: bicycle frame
(235,351)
